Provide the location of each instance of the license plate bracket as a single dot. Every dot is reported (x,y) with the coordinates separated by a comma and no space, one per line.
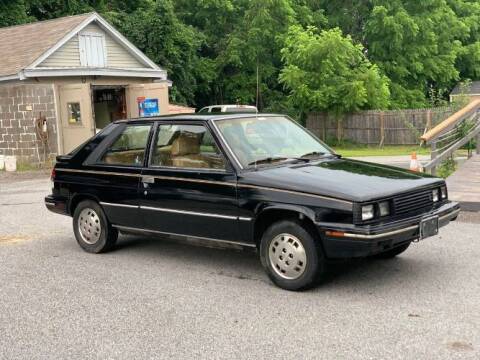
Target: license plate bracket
(428,227)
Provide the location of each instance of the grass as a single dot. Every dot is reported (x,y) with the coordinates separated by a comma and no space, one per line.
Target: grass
(351,150)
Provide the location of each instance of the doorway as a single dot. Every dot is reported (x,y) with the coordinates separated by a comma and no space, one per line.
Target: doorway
(109,104)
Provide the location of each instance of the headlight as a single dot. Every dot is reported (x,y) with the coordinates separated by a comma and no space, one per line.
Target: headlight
(443,191)
(384,208)
(368,212)
(435,195)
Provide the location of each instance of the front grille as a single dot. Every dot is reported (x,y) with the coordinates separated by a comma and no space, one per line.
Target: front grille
(413,202)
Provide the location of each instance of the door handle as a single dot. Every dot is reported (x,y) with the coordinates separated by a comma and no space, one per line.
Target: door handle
(148,180)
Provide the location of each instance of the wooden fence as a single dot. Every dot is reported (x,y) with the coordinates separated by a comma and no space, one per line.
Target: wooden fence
(393,127)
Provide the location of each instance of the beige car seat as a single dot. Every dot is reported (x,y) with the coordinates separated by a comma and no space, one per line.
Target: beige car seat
(185,152)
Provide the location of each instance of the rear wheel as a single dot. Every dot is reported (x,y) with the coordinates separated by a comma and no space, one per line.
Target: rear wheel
(92,229)
(392,252)
(291,255)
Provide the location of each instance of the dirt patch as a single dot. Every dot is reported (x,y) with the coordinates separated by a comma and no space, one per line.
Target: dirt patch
(460,346)
(12,239)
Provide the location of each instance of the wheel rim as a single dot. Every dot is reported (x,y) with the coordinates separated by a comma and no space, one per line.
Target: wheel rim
(287,256)
(89,226)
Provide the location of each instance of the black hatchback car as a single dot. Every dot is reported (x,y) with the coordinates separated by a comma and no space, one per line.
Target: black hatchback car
(259,181)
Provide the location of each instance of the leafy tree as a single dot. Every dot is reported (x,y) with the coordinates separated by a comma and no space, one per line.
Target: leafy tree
(13,13)
(255,43)
(416,44)
(213,48)
(468,61)
(157,31)
(326,71)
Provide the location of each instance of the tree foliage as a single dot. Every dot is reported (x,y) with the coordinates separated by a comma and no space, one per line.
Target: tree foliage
(326,71)
(214,49)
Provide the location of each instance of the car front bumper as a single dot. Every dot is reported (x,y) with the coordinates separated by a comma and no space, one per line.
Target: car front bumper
(348,241)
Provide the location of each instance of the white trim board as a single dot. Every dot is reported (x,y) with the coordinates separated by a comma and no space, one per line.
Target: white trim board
(62,72)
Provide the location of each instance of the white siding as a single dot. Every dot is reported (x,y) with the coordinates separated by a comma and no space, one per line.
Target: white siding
(69,54)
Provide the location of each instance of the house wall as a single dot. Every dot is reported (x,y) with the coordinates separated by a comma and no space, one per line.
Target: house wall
(69,54)
(17,122)
(20,105)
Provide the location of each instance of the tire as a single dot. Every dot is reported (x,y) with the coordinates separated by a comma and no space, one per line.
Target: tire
(291,255)
(389,254)
(92,229)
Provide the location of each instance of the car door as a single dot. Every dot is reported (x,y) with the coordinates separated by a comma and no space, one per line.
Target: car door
(189,188)
(115,171)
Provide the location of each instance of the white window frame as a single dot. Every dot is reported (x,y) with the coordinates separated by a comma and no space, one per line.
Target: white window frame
(92,58)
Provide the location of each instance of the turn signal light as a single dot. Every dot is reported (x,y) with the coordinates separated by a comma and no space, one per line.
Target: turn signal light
(52,175)
(334,233)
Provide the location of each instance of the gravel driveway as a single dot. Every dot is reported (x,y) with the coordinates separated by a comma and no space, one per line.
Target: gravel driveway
(156,299)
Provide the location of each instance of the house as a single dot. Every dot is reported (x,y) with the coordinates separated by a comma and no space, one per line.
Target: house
(63,80)
(472,90)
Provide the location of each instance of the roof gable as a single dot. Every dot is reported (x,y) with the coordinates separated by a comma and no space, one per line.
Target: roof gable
(472,89)
(22,44)
(116,54)
(26,47)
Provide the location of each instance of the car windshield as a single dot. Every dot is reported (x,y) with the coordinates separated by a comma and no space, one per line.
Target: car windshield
(264,140)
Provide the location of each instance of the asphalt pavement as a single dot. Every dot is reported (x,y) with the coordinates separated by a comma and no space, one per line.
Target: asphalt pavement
(157,299)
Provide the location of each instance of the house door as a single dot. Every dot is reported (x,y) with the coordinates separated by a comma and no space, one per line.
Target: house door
(75,115)
(147,100)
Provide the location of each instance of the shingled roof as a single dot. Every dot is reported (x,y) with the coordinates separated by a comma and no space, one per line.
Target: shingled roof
(21,45)
(472,89)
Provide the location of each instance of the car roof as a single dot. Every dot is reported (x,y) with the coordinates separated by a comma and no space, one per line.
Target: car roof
(199,117)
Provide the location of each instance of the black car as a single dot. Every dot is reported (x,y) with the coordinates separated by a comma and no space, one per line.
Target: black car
(259,181)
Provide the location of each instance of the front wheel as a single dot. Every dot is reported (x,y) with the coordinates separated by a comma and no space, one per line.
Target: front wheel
(291,255)
(92,229)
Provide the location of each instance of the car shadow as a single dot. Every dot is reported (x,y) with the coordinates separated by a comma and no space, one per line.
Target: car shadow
(245,264)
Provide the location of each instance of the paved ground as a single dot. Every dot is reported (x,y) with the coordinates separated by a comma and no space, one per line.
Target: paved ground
(464,184)
(158,299)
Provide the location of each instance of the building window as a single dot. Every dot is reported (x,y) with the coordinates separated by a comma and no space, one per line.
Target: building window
(74,115)
(92,50)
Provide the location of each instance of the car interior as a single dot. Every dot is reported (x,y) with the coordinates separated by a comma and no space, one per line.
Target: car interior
(187,150)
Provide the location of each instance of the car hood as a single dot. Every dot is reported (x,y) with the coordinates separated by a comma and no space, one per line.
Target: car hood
(340,178)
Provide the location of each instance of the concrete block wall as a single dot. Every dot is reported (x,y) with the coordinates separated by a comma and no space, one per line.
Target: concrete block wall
(20,105)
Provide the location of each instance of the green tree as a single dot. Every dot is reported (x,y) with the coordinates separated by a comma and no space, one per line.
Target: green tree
(468,61)
(158,32)
(255,43)
(416,44)
(13,13)
(327,71)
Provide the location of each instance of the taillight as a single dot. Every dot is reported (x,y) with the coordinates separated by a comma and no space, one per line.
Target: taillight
(52,175)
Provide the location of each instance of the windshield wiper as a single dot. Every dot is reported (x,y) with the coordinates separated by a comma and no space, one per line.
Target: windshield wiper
(313,153)
(268,160)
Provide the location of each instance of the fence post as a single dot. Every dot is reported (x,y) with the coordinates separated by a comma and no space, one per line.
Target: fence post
(429,119)
(382,128)
(478,144)
(433,156)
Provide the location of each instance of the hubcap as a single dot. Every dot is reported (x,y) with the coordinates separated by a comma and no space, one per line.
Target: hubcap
(287,256)
(89,226)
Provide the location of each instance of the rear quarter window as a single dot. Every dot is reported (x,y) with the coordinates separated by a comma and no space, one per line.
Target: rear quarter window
(129,147)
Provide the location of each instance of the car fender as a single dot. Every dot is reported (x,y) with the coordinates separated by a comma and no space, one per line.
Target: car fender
(305,211)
